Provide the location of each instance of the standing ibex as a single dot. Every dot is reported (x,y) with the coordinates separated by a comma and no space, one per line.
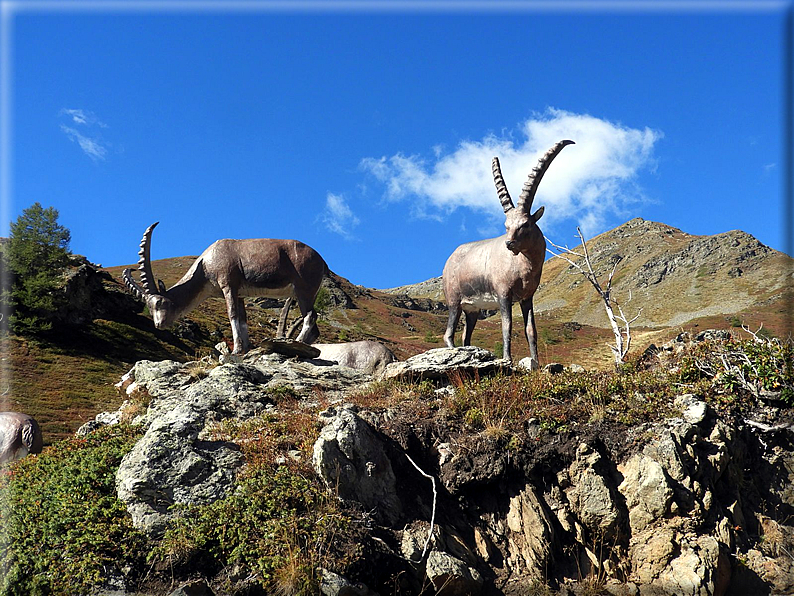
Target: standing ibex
(233,269)
(498,271)
(19,435)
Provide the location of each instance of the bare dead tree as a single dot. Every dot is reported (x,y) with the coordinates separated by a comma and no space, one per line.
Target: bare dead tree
(622,336)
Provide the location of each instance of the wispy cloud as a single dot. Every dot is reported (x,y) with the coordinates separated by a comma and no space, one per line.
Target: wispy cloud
(593,179)
(87,138)
(93,148)
(338,217)
(83,117)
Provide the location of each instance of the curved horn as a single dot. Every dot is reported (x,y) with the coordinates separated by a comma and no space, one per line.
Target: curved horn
(501,187)
(132,285)
(532,183)
(145,262)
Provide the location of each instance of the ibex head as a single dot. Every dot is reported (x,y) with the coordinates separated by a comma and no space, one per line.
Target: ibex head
(163,312)
(520,223)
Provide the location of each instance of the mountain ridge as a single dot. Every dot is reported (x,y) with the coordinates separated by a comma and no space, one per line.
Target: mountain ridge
(692,274)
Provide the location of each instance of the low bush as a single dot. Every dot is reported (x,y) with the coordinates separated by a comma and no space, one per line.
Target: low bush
(61,522)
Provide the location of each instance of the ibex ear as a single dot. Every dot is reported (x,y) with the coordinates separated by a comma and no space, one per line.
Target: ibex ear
(161,285)
(538,214)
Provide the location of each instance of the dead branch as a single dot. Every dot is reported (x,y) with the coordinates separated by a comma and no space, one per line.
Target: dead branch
(622,336)
(433,516)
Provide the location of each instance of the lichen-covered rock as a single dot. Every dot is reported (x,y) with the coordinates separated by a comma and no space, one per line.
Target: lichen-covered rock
(452,577)
(647,491)
(333,584)
(351,459)
(174,462)
(590,497)
(439,362)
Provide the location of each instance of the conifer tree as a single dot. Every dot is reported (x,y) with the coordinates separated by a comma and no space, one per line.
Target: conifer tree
(37,254)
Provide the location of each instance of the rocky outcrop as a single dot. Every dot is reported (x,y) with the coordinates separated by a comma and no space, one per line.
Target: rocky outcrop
(672,507)
(670,518)
(91,293)
(175,462)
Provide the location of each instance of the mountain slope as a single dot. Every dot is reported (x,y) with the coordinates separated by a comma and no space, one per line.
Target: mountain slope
(674,277)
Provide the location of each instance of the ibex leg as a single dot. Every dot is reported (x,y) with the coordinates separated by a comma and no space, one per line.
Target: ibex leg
(506,310)
(531,333)
(236,310)
(282,321)
(469,322)
(454,317)
(310,332)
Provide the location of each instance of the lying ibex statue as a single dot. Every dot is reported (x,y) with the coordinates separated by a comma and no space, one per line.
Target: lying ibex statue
(370,356)
(496,272)
(19,435)
(233,269)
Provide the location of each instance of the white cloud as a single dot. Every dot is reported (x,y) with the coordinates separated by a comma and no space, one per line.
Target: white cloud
(338,217)
(83,117)
(92,147)
(87,137)
(587,182)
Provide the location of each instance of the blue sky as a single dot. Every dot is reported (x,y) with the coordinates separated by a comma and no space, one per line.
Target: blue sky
(367,130)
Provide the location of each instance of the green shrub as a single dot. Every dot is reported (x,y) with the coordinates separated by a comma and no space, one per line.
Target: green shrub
(743,366)
(61,521)
(431,338)
(278,526)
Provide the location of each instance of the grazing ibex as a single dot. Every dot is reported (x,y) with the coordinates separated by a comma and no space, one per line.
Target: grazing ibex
(496,272)
(19,435)
(233,269)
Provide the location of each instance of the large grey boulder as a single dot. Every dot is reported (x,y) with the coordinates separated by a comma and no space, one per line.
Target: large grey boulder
(351,459)
(438,363)
(174,462)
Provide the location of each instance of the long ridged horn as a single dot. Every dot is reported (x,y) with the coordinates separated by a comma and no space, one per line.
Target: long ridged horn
(501,187)
(532,183)
(132,285)
(145,262)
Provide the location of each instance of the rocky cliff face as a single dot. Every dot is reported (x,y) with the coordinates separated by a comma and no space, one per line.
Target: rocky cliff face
(694,504)
(669,517)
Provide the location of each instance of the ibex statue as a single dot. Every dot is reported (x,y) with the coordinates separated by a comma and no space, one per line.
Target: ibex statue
(496,272)
(370,356)
(233,269)
(19,435)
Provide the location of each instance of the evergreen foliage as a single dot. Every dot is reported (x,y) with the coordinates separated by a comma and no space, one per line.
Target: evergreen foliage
(36,254)
(61,525)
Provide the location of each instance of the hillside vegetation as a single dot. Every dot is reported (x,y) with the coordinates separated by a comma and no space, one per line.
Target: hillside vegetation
(681,282)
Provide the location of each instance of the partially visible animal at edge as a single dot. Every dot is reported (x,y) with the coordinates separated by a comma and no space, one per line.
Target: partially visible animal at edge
(233,269)
(496,272)
(370,356)
(20,435)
